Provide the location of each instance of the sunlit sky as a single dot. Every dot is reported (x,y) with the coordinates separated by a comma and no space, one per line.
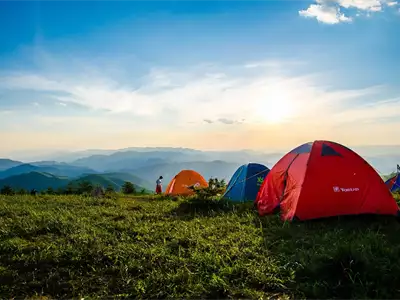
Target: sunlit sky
(208,75)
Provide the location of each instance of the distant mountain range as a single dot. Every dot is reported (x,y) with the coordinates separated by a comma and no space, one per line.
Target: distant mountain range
(214,169)
(8,163)
(54,168)
(34,180)
(137,159)
(42,181)
(142,166)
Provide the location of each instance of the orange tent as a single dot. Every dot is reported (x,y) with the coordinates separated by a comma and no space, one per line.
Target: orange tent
(184,179)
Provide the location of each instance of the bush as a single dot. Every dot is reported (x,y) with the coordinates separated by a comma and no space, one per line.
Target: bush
(7,190)
(110,189)
(128,188)
(213,192)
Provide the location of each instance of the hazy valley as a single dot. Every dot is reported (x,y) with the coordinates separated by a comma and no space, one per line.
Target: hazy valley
(142,166)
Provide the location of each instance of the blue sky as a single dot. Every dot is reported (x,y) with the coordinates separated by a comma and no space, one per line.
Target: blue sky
(206,74)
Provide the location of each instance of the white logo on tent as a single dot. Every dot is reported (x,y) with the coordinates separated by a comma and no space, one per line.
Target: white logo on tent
(337,189)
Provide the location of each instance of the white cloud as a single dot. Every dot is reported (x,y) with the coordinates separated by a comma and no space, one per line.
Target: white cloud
(370,113)
(95,96)
(324,14)
(393,3)
(181,97)
(208,103)
(329,11)
(368,5)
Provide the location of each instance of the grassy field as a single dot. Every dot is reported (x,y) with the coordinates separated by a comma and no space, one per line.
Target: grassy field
(70,246)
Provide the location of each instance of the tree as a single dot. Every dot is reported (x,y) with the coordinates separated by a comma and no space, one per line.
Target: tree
(7,190)
(22,192)
(110,189)
(70,189)
(60,191)
(85,187)
(128,188)
(50,191)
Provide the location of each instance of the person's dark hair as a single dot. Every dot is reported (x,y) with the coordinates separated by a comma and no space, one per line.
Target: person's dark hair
(161,177)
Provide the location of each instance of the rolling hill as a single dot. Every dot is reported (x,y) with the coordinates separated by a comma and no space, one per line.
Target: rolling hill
(129,177)
(8,163)
(149,163)
(55,169)
(34,180)
(116,181)
(42,180)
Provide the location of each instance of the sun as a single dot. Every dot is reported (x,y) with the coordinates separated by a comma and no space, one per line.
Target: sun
(276,108)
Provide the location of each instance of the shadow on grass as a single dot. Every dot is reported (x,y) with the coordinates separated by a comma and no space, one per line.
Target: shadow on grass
(341,257)
(193,207)
(58,276)
(154,197)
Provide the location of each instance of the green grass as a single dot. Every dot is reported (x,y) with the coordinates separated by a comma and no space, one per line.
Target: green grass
(71,246)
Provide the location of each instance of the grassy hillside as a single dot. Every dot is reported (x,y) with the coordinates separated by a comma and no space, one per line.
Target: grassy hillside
(106,180)
(131,178)
(73,247)
(34,180)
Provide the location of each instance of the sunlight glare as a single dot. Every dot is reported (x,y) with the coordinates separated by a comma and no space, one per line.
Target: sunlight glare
(275,108)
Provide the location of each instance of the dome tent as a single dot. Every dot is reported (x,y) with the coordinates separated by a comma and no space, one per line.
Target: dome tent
(323,179)
(393,183)
(184,179)
(245,182)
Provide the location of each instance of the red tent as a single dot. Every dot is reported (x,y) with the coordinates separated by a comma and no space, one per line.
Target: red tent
(323,179)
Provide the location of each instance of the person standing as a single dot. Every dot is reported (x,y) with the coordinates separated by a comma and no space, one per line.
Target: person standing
(159,185)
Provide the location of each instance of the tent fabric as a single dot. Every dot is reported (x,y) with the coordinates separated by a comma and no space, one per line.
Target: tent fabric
(184,179)
(323,179)
(245,183)
(393,183)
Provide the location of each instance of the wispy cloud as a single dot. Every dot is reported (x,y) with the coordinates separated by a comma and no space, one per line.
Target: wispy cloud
(188,97)
(330,11)
(208,102)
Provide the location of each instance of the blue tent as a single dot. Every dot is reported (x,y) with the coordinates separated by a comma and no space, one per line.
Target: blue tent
(393,183)
(246,182)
